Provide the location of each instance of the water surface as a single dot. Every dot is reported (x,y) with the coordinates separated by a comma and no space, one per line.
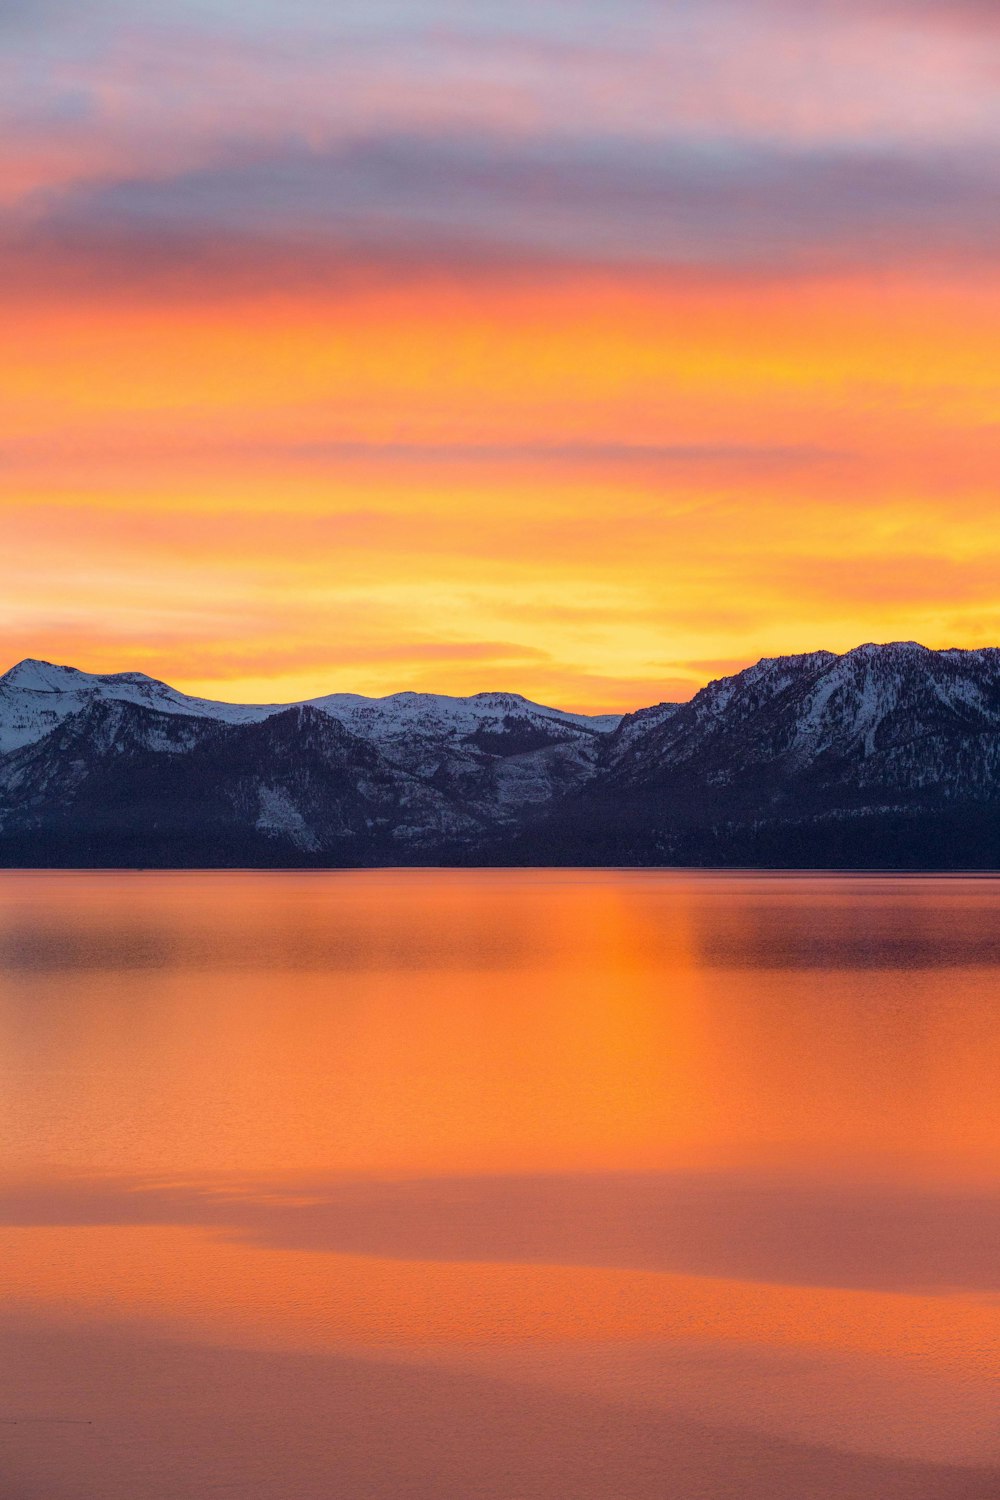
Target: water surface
(506,1185)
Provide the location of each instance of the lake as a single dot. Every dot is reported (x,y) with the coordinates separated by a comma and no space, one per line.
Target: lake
(499,1185)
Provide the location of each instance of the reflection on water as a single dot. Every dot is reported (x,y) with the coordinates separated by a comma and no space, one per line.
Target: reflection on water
(510,1184)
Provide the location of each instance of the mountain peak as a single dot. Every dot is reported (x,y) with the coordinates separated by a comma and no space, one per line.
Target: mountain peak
(887,648)
(34,675)
(497,699)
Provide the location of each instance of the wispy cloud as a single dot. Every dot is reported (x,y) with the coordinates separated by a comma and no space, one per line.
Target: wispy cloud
(397,207)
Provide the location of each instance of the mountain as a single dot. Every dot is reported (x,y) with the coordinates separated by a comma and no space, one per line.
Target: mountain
(123,769)
(36,696)
(886,756)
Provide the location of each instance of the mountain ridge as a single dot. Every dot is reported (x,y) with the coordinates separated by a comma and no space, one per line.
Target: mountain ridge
(58,689)
(882,755)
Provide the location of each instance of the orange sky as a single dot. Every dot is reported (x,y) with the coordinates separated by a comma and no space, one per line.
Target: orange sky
(407,351)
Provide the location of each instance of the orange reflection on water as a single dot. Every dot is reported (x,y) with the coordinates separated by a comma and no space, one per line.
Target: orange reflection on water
(437,1022)
(192,1285)
(715,1153)
(356,1024)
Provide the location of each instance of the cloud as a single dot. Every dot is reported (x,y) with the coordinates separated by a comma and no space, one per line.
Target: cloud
(579,455)
(395,209)
(213,76)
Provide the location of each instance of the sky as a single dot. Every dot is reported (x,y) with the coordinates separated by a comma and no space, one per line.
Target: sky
(588,349)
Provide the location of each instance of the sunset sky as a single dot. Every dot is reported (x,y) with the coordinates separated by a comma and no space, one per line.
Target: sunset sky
(589,350)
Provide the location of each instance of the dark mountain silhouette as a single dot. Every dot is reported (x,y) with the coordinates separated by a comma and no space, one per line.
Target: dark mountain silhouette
(885,757)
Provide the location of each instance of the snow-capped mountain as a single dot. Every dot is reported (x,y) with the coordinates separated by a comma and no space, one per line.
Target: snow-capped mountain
(35,696)
(882,715)
(132,764)
(817,758)
(886,755)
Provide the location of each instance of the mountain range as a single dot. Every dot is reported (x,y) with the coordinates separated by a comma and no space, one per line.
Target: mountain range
(887,756)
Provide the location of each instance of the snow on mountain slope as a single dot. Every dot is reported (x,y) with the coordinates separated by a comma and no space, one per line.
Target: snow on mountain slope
(896,713)
(634,727)
(36,696)
(876,697)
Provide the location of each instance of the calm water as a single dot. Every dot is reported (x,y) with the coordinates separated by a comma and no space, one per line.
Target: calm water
(499,1186)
